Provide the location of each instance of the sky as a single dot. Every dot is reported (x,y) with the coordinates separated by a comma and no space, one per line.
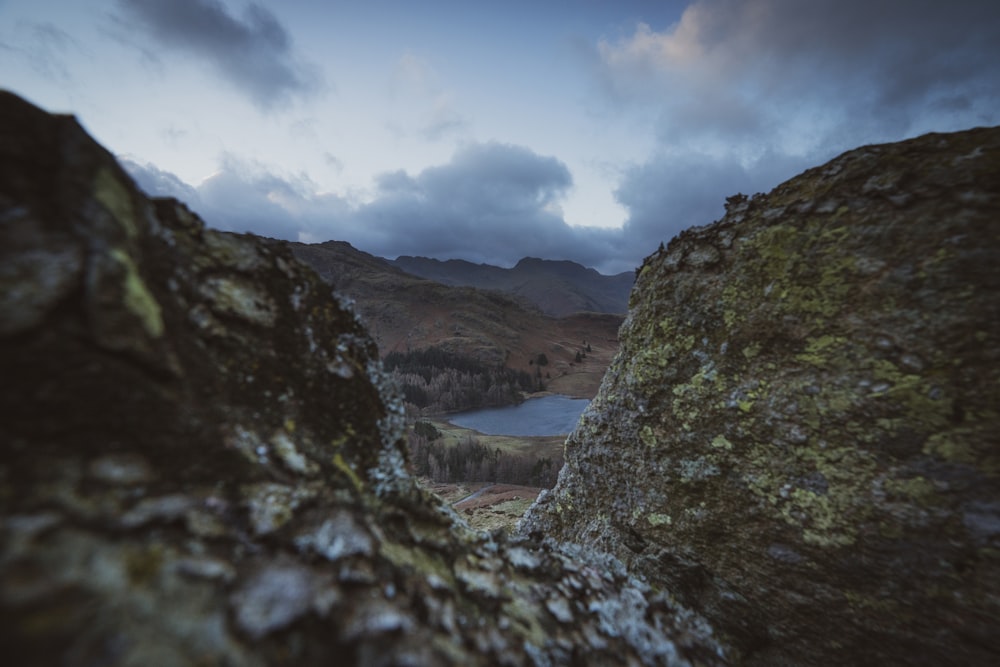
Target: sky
(589,130)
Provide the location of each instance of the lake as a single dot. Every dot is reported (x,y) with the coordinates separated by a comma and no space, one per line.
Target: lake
(548,415)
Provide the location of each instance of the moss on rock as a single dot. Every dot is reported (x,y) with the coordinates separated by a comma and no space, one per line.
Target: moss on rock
(815,411)
(202,461)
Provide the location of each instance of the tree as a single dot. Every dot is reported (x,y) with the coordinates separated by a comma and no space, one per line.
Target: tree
(433,379)
(426,430)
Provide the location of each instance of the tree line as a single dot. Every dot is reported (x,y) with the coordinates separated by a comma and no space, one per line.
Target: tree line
(436,380)
(472,461)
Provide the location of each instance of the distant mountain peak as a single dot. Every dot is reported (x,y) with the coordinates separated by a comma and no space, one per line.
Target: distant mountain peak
(559,287)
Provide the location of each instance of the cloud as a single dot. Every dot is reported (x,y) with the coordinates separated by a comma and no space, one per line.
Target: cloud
(424,106)
(159,183)
(671,192)
(442,119)
(245,196)
(742,69)
(333,161)
(748,93)
(254,53)
(745,95)
(492,202)
(46,48)
(497,177)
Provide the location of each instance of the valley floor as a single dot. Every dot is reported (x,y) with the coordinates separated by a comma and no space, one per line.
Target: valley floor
(486,506)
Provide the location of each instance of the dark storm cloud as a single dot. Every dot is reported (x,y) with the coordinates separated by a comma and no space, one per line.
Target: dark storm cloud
(492,203)
(254,52)
(748,93)
(739,69)
(498,178)
(670,193)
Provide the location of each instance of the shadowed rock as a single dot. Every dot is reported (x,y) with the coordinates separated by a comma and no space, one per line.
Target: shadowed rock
(200,462)
(799,435)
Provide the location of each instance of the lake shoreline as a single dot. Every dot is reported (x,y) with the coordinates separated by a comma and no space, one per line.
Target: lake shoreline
(542,416)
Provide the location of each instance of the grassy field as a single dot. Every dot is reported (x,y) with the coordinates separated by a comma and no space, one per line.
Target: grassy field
(535,446)
(498,506)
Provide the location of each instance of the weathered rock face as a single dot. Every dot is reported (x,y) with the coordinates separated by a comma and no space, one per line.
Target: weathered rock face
(799,436)
(199,463)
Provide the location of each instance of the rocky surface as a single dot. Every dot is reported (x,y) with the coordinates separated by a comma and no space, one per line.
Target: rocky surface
(200,462)
(799,435)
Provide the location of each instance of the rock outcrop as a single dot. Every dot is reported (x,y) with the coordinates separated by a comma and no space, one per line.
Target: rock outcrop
(200,462)
(799,435)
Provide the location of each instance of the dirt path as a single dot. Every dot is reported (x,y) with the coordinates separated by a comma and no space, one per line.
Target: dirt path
(473,496)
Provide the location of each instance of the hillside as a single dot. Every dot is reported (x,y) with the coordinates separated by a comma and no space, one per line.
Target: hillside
(792,459)
(406,313)
(202,463)
(559,288)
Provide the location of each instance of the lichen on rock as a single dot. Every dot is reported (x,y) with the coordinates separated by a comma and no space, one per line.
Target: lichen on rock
(803,413)
(792,460)
(202,461)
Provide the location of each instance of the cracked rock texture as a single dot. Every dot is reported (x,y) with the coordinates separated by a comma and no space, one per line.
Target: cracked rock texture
(800,435)
(200,463)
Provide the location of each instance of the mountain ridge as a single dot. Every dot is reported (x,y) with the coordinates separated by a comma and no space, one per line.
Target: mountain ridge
(202,461)
(792,460)
(408,313)
(558,287)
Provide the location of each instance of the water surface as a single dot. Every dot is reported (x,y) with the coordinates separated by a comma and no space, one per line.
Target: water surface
(547,415)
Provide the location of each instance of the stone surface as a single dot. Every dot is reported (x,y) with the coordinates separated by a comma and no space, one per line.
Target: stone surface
(201,461)
(799,435)
(201,464)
